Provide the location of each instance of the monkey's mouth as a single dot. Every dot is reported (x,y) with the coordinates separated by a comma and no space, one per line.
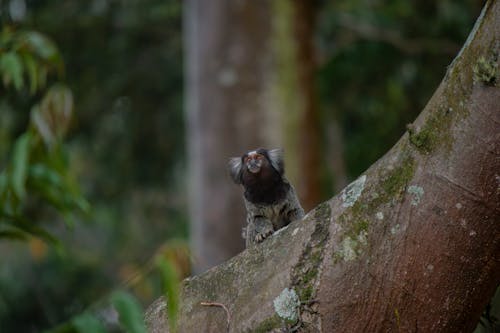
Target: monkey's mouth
(253,167)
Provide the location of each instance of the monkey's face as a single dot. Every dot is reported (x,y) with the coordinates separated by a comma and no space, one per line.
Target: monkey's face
(254,161)
(256,165)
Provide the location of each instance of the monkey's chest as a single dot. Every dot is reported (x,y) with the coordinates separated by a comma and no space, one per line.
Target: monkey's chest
(276,213)
(267,194)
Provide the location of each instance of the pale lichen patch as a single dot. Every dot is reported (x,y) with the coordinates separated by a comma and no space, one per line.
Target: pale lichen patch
(379,216)
(395,229)
(353,191)
(287,305)
(352,247)
(417,193)
(348,249)
(486,70)
(362,237)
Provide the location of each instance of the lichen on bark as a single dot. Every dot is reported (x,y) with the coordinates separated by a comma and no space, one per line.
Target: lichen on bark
(305,273)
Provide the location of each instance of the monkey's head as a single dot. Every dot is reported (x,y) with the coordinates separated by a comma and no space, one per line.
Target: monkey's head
(257,164)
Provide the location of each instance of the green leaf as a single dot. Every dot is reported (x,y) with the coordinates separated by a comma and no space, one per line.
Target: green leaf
(82,204)
(3,183)
(52,116)
(31,68)
(20,160)
(41,125)
(13,234)
(170,285)
(11,69)
(29,227)
(129,311)
(41,45)
(87,323)
(42,75)
(45,175)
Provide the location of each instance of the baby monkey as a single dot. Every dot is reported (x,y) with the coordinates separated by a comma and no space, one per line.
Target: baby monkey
(270,200)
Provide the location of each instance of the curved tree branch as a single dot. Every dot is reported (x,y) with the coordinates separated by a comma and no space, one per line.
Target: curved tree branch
(412,245)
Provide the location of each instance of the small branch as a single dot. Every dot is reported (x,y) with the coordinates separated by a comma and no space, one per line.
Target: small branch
(228,315)
(393,37)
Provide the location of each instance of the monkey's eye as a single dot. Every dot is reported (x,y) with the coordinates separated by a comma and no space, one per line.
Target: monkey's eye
(254,156)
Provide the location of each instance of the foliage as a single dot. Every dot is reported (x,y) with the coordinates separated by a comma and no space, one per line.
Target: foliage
(381,62)
(35,173)
(128,111)
(129,311)
(170,283)
(87,323)
(127,307)
(27,57)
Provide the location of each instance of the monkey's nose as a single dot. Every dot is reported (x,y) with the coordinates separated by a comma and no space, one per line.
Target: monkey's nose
(254,166)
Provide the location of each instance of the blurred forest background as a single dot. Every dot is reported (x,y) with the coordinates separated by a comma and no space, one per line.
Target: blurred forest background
(95,136)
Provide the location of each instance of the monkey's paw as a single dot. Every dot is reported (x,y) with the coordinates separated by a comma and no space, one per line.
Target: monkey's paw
(260,236)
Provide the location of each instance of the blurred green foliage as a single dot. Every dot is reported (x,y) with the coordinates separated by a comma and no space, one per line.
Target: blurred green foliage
(380,61)
(35,174)
(123,144)
(129,311)
(170,283)
(87,323)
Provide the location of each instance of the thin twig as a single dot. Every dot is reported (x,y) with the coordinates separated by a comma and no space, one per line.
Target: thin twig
(228,315)
(393,37)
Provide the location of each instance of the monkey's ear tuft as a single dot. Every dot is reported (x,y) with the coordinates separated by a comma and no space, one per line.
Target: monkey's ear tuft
(235,169)
(276,159)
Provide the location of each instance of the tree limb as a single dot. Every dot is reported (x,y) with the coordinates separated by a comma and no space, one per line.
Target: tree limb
(412,245)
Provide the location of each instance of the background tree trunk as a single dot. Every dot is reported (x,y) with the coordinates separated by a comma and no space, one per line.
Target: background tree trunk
(249,71)
(412,245)
(309,146)
(228,65)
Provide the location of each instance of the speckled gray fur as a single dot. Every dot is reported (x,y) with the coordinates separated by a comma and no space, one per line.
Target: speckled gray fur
(263,219)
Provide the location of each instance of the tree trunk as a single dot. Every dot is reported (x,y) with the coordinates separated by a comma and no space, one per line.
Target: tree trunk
(295,96)
(412,245)
(227,67)
(249,70)
(309,185)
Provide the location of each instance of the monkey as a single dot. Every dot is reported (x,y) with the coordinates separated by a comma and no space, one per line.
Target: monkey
(270,200)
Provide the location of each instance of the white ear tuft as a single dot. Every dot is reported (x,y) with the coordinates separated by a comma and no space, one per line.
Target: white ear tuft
(235,169)
(276,158)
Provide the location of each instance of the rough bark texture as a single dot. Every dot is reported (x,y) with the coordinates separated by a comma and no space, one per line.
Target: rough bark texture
(309,144)
(412,245)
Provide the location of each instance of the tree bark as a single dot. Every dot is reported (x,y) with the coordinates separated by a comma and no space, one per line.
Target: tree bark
(227,67)
(412,245)
(249,70)
(310,154)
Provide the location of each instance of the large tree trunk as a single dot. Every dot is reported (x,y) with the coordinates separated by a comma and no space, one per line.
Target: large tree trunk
(249,84)
(309,145)
(412,245)
(295,97)
(227,67)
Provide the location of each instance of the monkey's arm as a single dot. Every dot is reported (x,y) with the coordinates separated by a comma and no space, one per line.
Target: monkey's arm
(295,210)
(258,229)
